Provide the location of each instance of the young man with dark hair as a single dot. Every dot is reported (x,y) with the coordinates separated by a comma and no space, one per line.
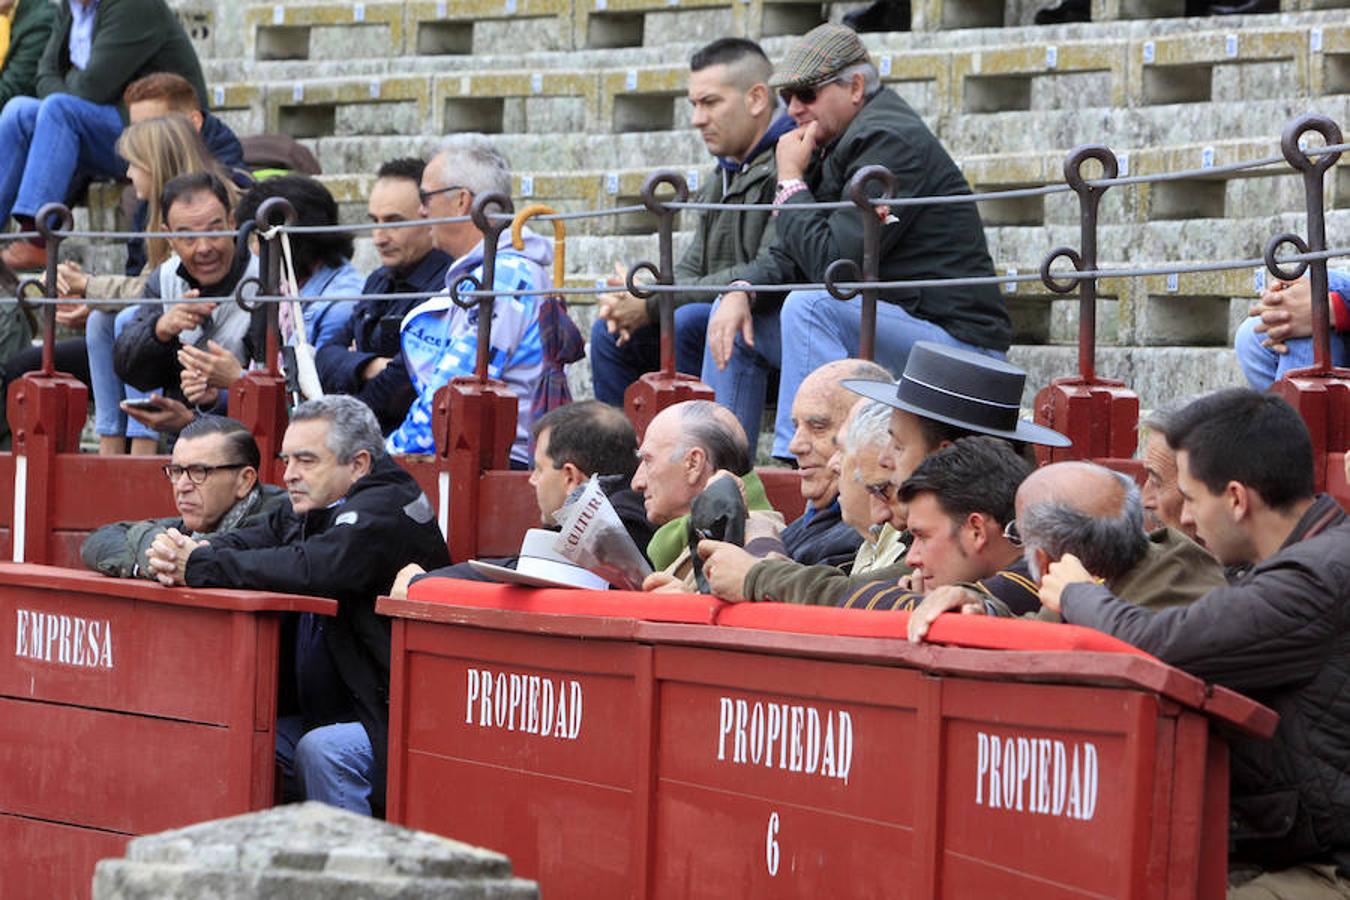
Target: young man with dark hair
(1279,633)
(96,48)
(960,504)
(364,358)
(740,121)
(214,475)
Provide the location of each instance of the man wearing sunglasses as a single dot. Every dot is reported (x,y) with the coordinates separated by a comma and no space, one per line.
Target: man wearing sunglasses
(214,476)
(848,122)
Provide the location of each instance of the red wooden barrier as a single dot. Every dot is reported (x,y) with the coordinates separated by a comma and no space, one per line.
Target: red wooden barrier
(615,757)
(127,708)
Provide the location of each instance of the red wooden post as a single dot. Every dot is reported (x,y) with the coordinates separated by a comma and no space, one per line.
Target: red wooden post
(655,391)
(258,400)
(475,425)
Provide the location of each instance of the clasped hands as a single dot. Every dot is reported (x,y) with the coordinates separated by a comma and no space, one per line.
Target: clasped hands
(168,556)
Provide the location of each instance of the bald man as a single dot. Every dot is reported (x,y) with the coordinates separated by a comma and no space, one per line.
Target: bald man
(682,449)
(820,535)
(1097,515)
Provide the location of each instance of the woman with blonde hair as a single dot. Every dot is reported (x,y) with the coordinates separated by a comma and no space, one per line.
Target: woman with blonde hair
(156,151)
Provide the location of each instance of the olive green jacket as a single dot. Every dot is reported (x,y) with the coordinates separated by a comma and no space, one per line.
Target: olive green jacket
(132,38)
(28,35)
(785,581)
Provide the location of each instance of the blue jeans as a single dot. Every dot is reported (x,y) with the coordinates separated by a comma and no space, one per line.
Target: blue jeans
(46,141)
(614,368)
(332,764)
(100,333)
(1263,366)
(819,329)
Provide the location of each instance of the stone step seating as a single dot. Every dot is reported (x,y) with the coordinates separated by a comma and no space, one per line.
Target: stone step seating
(956,88)
(477,27)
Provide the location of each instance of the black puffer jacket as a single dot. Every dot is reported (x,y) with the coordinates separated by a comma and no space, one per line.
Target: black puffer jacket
(351,553)
(1281,635)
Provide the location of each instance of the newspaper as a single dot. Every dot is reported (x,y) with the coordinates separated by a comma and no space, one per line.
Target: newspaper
(593,537)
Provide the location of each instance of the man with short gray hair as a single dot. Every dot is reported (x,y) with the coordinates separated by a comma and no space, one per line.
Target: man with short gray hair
(439,338)
(848,121)
(355,518)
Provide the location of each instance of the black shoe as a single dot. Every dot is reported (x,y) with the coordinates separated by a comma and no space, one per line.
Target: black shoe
(1244,8)
(882,15)
(1065,11)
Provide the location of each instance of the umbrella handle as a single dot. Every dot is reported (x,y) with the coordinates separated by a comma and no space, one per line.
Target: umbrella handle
(559,236)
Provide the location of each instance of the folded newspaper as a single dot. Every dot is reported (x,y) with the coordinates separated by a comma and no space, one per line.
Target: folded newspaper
(593,537)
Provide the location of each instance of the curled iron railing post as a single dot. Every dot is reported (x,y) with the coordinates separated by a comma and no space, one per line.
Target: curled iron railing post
(491,214)
(273,212)
(1085,258)
(1313,172)
(46,287)
(664,273)
(844,270)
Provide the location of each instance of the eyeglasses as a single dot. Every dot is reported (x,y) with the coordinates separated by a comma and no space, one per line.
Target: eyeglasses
(882,490)
(1011,533)
(197,474)
(425,196)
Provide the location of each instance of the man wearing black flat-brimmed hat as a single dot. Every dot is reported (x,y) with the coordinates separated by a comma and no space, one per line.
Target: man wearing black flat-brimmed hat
(847,122)
(945,394)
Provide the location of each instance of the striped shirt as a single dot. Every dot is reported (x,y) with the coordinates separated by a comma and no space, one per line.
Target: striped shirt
(1012,585)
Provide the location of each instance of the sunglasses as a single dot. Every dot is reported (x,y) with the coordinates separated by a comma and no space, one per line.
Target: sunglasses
(425,196)
(882,490)
(807,95)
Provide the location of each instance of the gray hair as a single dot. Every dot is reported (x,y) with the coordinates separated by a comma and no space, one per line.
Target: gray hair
(473,162)
(1160,419)
(352,427)
(714,430)
(870,427)
(1108,547)
(871,77)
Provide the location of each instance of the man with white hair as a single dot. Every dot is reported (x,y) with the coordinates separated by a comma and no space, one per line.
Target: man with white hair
(440,339)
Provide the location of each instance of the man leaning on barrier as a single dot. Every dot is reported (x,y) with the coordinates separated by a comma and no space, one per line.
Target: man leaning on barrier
(355,518)
(848,122)
(214,476)
(1279,633)
(571,443)
(684,448)
(740,121)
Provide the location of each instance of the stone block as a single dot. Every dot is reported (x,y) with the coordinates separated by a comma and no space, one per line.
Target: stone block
(518,101)
(283,30)
(1180,68)
(305,851)
(938,15)
(998,79)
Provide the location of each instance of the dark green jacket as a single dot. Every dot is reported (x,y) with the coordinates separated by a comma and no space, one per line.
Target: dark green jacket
(120,549)
(726,241)
(28,35)
(924,242)
(132,38)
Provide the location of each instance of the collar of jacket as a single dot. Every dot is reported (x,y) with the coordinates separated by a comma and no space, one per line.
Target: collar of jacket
(427,275)
(670,539)
(1323,513)
(223,287)
(782,123)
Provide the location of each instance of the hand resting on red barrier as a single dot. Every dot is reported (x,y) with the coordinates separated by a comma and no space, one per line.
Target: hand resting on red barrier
(168,556)
(945,599)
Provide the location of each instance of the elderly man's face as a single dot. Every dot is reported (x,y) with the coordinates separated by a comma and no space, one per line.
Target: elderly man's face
(667,478)
(208,481)
(861,478)
(907,448)
(314,477)
(832,108)
(442,199)
(1162,499)
(816,417)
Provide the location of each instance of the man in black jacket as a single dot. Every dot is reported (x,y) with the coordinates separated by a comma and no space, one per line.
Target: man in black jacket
(365,359)
(356,518)
(848,121)
(1279,633)
(572,443)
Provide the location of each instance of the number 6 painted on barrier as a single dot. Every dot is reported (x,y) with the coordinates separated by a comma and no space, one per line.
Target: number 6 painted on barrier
(771,846)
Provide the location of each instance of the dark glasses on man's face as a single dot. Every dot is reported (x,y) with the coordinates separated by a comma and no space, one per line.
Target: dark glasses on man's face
(807,95)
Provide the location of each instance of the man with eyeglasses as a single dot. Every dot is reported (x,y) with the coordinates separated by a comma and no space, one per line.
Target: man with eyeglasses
(847,122)
(214,476)
(439,337)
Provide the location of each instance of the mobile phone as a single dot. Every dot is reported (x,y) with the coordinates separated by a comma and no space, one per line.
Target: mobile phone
(149,404)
